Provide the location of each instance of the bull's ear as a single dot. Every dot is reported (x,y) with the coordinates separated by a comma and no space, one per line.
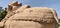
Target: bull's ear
(54,14)
(22,8)
(25,6)
(19,4)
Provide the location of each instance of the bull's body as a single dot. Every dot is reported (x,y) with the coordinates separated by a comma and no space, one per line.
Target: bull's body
(26,17)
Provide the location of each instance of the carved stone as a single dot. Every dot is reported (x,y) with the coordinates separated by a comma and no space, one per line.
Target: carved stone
(26,17)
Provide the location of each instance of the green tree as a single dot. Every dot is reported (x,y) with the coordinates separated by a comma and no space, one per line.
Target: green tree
(1,9)
(2,13)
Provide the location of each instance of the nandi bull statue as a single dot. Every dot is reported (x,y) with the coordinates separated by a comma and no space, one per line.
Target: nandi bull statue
(19,16)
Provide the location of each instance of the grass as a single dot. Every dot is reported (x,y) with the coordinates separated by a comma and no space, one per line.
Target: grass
(59,24)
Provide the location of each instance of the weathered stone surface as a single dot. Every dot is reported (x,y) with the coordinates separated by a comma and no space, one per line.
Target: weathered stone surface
(26,17)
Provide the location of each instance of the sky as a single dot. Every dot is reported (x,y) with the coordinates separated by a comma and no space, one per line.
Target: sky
(36,3)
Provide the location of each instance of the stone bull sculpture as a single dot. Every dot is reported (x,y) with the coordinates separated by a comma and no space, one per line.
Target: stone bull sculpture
(19,16)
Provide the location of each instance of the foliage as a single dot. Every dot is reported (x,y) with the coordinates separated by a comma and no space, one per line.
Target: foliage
(59,24)
(2,13)
(1,9)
